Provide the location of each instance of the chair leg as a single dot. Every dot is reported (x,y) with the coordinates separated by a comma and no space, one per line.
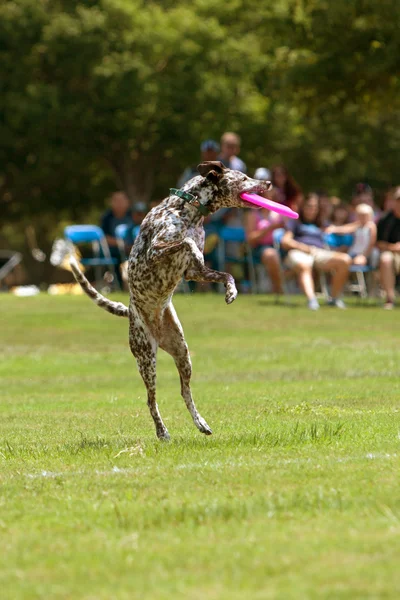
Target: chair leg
(324,285)
(252,271)
(362,285)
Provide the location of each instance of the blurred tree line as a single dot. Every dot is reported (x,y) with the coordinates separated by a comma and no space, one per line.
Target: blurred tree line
(103,94)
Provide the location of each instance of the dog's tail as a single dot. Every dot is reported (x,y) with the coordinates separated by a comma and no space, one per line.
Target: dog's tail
(115,308)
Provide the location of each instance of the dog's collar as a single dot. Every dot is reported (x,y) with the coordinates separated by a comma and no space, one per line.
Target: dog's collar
(191,199)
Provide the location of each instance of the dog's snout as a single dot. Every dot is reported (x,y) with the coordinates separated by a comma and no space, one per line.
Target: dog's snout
(268,185)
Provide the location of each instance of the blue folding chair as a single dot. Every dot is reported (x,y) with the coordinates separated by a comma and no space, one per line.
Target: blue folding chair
(236,235)
(94,235)
(125,234)
(335,241)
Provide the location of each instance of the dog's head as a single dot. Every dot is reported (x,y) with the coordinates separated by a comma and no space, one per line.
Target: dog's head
(220,187)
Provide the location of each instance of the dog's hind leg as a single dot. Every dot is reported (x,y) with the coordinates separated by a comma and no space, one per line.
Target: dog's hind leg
(144,348)
(173,341)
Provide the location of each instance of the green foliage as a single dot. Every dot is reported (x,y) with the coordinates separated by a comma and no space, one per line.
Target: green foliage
(118,93)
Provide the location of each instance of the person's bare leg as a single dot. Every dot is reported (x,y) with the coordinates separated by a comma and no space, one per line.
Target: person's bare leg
(306,281)
(339,265)
(270,261)
(360,259)
(386,272)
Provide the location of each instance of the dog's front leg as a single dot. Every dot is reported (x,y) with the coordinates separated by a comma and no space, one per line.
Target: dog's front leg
(197,271)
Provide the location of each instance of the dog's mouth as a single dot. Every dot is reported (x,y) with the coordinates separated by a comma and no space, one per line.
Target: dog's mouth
(258,190)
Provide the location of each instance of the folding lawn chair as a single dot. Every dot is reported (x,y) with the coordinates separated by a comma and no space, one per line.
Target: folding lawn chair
(94,235)
(334,241)
(125,233)
(236,235)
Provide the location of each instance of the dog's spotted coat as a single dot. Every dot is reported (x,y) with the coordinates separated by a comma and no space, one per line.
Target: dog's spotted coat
(170,246)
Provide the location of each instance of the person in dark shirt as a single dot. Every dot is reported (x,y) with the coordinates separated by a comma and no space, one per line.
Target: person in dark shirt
(305,245)
(388,242)
(119,213)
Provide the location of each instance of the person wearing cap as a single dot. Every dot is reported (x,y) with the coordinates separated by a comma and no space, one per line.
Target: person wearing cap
(259,227)
(389,245)
(230,148)
(209,150)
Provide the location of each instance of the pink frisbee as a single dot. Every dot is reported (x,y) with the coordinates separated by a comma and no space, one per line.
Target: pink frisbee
(269,204)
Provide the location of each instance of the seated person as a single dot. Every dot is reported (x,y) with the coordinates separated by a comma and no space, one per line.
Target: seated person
(208,152)
(340,216)
(259,226)
(139,211)
(326,208)
(230,148)
(305,245)
(118,214)
(364,234)
(389,244)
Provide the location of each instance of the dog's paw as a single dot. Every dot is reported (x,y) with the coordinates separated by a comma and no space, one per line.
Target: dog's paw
(163,435)
(231,294)
(202,426)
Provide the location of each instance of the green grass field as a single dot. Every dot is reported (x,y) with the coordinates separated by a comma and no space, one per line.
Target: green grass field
(295,496)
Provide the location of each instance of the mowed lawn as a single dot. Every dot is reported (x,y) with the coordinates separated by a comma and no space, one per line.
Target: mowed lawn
(295,496)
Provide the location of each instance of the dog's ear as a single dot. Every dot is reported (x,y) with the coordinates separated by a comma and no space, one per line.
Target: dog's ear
(214,169)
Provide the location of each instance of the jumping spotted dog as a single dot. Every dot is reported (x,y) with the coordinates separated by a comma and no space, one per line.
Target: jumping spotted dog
(170,246)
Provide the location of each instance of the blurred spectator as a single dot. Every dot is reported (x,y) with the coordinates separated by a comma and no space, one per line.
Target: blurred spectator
(388,201)
(325,207)
(259,225)
(286,189)
(208,152)
(305,244)
(363,194)
(139,211)
(389,245)
(340,215)
(262,174)
(230,148)
(118,214)
(364,235)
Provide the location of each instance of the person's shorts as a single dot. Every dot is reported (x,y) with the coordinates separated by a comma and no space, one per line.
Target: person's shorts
(258,252)
(318,258)
(396,260)
(372,259)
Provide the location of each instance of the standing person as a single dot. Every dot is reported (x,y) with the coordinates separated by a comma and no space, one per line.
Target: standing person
(230,148)
(287,191)
(305,245)
(259,227)
(209,150)
(389,245)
